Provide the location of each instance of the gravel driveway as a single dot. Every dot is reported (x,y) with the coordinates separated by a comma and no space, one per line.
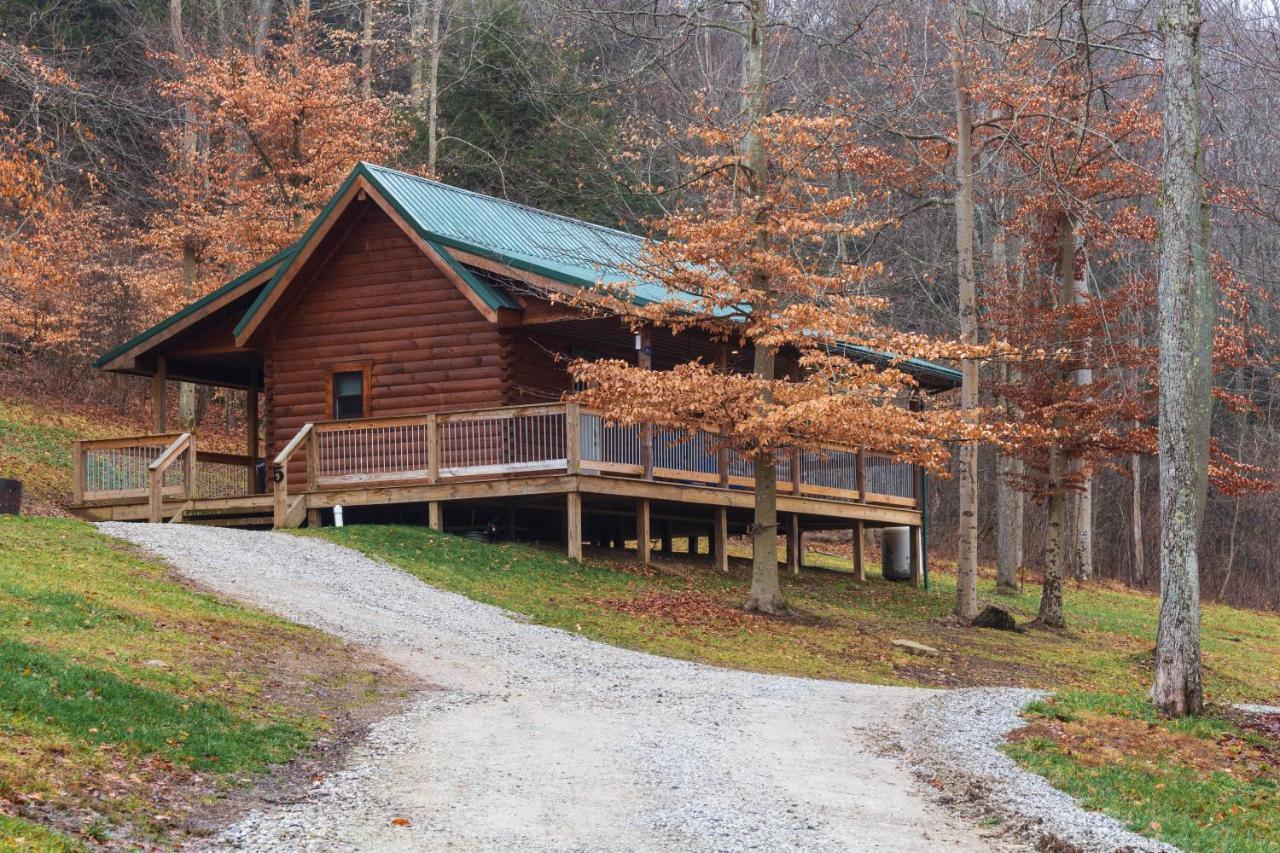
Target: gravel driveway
(541,740)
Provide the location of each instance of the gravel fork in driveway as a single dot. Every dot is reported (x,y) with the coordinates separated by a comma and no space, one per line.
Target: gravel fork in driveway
(539,739)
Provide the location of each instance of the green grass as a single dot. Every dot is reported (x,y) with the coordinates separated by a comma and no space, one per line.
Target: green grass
(119,685)
(35,447)
(841,629)
(17,834)
(1202,783)
(1096,741)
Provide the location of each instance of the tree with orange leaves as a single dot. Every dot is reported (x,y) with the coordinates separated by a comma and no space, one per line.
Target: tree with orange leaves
(747,261)
(1071,137)
(276,136)
(46,243)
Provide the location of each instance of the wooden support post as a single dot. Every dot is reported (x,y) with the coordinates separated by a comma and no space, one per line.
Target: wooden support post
(917,557)
(794,555)
(313,518)
(722,455)
(573,505)
(664,534)
(722,538)
(859,569)
(189,469)
(573,442)
(280,498)
(860,475)
(159,396)
(251,429)
(313,460)
(796,474)
(435,518)
(433,449)
(155,496)
(511,523)
(644,360)
(642,530)
(77,477)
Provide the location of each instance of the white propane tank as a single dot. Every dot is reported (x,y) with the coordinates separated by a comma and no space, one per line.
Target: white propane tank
(895,553)
(337,516)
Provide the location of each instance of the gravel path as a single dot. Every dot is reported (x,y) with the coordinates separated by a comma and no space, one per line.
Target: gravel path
(539,739)
(954,737)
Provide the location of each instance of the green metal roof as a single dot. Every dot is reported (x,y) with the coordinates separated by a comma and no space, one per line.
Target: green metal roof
(567,250)
(230,286)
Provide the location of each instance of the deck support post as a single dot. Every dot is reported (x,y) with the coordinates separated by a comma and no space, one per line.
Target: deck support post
(917,556)
(159,396)
(642,531)
(573,529)
(722,538)
(664,536)
(794,549)
(435,519)
(644,361)
(251,418)
(511,523)
(859,569)
(313,518)
(77,476)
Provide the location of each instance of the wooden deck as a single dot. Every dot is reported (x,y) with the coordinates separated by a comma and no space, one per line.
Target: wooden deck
(497,454)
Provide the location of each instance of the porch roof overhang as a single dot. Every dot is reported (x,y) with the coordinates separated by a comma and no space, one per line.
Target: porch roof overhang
(176,338)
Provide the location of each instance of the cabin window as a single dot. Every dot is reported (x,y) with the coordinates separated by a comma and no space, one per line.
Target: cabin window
(349,392)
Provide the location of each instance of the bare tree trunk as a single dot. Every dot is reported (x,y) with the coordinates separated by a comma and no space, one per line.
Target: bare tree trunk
(366,50)
(265,9)
(1051,612)
(1009,499)
(1231,549)
(190,263)
(1010,509)
(967,456)
(433,87)
(1082,502)
(1185,331)
(1135,521)
(766,594)
(424,85)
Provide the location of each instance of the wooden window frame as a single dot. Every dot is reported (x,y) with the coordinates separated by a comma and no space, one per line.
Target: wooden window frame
(366,387)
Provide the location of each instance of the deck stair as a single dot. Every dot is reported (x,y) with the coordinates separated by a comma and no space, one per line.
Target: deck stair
(254,516)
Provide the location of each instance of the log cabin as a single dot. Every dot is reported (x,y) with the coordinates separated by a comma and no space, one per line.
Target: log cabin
(406,360)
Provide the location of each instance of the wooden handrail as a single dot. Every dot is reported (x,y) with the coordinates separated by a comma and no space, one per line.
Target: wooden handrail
(184,443)
(129,441)
(165,459)
(216,457)
(294,443)
(280,476)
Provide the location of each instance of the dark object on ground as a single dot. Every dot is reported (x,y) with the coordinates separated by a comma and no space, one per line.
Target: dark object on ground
(997,618)
(10,496)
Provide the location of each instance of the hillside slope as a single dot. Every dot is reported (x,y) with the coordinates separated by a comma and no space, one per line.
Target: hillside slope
(135,708)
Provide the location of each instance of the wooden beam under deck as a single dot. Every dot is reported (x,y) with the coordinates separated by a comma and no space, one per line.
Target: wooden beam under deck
(839,514)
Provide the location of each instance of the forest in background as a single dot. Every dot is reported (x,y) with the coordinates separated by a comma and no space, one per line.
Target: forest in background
(151,150)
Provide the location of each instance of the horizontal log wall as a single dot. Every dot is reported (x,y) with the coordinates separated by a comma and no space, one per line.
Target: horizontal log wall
(377,299)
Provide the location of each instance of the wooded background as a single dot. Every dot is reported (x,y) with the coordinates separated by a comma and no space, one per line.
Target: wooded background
(152,149)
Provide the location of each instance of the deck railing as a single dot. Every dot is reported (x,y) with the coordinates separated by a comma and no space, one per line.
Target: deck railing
(480,444)
(121,469)
(517,440)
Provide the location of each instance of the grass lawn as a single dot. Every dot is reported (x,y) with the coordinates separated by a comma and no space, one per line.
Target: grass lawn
(129,702)
(36,437)
(1085,741)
